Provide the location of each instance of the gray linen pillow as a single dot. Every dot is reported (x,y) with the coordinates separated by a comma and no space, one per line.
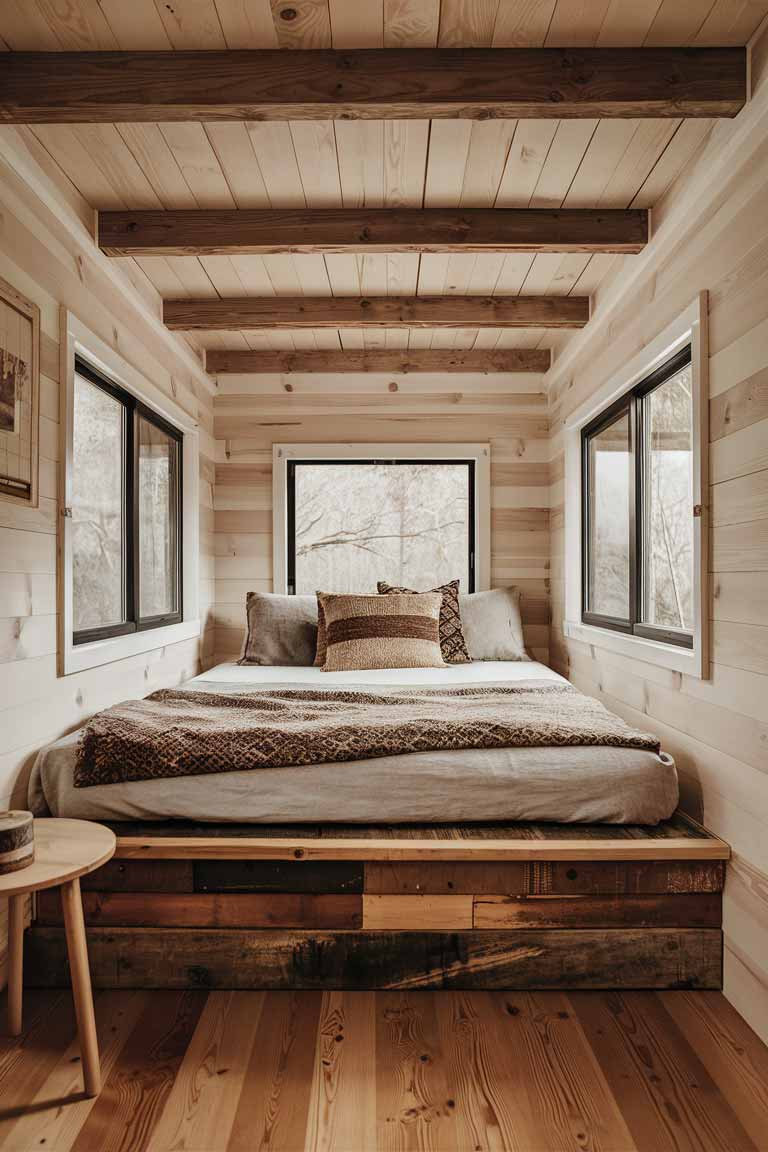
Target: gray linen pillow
(492,626)
(281,630)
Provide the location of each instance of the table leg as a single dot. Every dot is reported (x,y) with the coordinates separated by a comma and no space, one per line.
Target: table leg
(16,906)
(77,950)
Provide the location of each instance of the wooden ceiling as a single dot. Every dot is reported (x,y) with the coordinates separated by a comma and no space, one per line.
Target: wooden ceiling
(443,163)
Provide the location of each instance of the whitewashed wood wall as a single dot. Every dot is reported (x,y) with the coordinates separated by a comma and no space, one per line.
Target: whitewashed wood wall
(711,233)
(252,413)
(41,257)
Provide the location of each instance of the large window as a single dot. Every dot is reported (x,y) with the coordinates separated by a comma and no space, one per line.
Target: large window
(637,509)
(126,513)
(351,523)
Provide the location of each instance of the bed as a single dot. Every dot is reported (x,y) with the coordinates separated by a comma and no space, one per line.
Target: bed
(563,784)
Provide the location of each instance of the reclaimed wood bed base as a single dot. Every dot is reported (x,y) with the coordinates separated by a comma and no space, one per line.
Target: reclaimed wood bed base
(470,906)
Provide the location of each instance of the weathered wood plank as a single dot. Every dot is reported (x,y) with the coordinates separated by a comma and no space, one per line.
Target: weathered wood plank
(102,87)
(678,825)
(239,231)
(640,877)
(420,913)
(697,910)
(513,959)
(141,876)
(276,876)
(277,312)
(220,361)
(212,910)
(414,878)
(151,847)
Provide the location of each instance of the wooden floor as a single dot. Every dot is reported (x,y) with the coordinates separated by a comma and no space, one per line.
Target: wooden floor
(356,1071)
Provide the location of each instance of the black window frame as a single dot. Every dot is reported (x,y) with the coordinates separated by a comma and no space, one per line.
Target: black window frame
(133,410)
(632,405)
(470,464)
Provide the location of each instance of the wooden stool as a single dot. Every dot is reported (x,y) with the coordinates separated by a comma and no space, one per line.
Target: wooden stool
(65,850)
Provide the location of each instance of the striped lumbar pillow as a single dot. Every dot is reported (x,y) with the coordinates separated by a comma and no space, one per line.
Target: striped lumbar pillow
(382,631)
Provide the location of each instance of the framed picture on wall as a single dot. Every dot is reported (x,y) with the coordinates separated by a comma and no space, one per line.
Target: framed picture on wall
(19,392)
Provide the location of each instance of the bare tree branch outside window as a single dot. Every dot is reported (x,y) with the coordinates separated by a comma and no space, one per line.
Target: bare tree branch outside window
(358,523)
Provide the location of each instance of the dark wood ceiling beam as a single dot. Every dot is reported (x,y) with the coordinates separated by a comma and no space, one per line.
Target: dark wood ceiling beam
(258,230)
(429,360)
(231,315)
(476,83)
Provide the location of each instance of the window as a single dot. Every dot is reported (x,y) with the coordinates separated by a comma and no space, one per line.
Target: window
(126,513)
(353,522)
(637,509)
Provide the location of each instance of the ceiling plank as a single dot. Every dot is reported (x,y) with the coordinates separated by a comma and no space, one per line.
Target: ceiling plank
(390,83)
(271,312)
(223,232)
(381,360)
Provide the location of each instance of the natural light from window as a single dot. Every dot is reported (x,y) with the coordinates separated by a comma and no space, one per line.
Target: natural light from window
(667,520)
(356,523)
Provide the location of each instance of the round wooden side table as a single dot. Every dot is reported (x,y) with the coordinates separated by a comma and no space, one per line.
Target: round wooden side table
(65,850)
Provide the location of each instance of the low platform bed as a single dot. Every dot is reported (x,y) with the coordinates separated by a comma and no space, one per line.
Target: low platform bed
(504,906)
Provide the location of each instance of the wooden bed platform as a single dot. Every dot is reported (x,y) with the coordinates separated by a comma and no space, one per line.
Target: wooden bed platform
(504,906)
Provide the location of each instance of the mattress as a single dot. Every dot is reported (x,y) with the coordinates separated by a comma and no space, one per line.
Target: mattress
(577,784)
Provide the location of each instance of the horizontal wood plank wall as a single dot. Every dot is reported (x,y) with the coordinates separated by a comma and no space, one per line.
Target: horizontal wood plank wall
(509,411)
(716,729)
(41,259)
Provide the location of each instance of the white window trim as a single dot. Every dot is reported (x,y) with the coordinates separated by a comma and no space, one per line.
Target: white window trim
(689,327)
(479,453)
(78,340)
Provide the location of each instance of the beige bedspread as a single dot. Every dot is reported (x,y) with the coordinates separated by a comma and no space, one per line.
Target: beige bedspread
(186,733)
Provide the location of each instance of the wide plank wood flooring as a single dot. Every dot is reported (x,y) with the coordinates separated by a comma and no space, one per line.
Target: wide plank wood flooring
(360,1071)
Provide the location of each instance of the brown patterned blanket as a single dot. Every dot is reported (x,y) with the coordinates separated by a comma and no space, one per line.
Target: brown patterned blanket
(175,732)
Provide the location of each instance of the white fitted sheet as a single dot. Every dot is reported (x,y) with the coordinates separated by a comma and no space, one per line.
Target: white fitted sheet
(578,784)
(478,672)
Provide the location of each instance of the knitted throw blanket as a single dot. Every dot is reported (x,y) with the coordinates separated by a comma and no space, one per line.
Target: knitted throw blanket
(175,732)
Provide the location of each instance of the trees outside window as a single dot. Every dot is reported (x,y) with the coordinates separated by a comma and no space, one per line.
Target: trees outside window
(637,513)
(352,523)
(126,513)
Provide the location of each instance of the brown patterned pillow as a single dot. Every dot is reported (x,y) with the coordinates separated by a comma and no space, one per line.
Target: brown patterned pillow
(381,631)
(322,643)
(452,642)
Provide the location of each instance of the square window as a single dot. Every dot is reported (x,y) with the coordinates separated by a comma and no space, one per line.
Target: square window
(352,523)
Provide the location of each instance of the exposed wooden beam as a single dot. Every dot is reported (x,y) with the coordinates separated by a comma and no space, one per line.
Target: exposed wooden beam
(253,230)
(384,312)
(482,360)
(476,83)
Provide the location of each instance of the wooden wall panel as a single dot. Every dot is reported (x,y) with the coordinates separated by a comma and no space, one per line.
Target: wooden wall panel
(715,728)
(370,410)
(40,256)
